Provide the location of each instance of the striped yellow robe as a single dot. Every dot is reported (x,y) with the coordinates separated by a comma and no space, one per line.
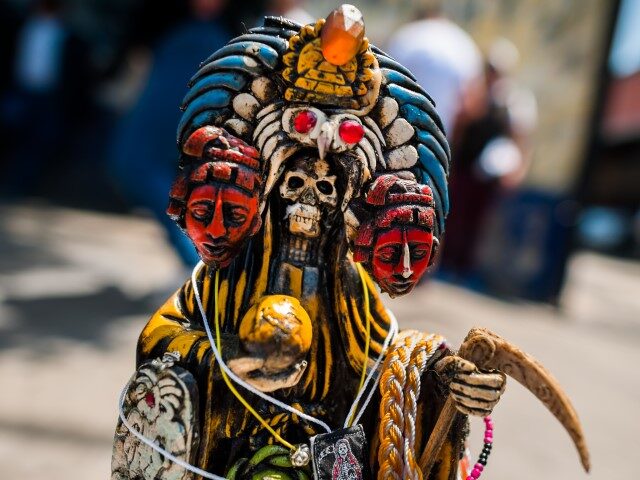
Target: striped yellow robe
(331,379)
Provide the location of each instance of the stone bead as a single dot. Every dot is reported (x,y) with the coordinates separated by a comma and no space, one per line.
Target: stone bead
(342,34)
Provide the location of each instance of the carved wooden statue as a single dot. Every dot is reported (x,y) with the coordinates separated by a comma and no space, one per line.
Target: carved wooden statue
(312,167)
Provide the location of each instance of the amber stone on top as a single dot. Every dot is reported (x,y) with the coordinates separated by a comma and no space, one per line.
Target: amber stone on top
(342,34)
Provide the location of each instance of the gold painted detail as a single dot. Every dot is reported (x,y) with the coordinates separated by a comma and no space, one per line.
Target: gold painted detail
(278,322)
(310,77)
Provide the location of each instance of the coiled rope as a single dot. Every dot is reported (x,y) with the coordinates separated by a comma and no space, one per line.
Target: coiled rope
(400,389)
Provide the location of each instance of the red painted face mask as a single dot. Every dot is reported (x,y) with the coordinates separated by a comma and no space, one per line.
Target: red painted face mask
(400,257)
(218,220)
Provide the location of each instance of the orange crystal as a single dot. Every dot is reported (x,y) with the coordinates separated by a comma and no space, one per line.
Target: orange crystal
(342,34)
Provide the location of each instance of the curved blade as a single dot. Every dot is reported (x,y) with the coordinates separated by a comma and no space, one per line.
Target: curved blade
(488,350)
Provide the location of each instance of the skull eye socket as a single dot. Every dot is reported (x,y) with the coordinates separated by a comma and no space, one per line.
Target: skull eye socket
(304,121)
(295,182)
(351,131)
(324,187)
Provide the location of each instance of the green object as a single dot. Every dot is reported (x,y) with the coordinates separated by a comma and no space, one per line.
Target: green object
(281,461)
(266,452)
(233,471)
(270,474)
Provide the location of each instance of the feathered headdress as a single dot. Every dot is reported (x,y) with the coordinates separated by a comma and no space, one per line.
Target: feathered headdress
(285,87)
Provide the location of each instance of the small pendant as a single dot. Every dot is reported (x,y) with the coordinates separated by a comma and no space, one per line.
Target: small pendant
(340,455)
(300,456)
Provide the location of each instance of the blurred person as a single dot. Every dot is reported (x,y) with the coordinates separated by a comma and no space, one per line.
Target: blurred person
(143,156)
(291,9)
(47,97)
(490,156)
(444,59)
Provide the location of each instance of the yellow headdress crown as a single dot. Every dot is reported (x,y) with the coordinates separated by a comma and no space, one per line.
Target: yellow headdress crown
(330,63)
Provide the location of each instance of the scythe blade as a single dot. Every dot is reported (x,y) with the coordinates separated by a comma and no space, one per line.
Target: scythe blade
(490,351)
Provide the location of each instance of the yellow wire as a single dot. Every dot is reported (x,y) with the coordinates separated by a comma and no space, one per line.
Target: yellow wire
(263,422)
(228,382)
(365,292)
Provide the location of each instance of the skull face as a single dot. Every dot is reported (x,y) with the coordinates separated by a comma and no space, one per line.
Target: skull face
(309,192)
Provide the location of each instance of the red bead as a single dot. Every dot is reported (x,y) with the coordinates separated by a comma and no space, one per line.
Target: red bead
(351,131)
(478,466)
(150,399)
(475,473)
(305,121)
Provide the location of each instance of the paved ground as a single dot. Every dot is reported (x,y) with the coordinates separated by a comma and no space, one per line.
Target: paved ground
(76,289)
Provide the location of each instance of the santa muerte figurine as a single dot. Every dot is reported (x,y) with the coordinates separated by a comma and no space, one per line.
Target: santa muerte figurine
(312,167)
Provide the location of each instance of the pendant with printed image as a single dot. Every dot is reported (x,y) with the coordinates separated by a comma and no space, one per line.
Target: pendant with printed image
(340,455)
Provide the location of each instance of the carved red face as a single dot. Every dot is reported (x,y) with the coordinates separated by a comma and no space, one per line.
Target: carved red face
(400,257)
(218,220)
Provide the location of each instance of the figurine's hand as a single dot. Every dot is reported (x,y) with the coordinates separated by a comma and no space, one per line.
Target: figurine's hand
(475,392)
(255,372)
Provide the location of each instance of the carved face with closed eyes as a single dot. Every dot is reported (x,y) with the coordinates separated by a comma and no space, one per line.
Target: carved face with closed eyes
(216,197)
(219,219)
(401,256)
(396,243)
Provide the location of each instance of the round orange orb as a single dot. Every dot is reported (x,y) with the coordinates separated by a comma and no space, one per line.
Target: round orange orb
(279,325)
(342,34)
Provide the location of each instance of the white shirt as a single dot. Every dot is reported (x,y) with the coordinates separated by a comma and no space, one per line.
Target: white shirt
(300,15)
(443,58)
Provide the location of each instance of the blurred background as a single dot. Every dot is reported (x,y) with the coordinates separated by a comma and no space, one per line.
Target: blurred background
(541,100)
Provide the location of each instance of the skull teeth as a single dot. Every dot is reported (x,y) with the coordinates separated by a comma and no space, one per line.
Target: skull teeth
(305,220)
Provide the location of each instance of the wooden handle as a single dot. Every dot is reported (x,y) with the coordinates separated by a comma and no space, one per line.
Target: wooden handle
(437,437)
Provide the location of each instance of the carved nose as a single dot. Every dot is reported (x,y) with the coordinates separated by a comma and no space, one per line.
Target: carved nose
(406,262)
(308,197)
(216,228)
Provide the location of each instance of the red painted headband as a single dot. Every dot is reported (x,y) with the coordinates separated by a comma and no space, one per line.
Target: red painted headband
(219,156)
(379,193)
(228,148)
(413,205)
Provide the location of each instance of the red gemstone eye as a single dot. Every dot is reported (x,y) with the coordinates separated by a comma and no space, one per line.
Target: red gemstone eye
(351,131)
(305,121)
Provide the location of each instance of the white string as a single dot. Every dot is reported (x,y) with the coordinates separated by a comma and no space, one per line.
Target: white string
(394,324)
(158,448)
(232,375)
(269,398)
(390,335)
